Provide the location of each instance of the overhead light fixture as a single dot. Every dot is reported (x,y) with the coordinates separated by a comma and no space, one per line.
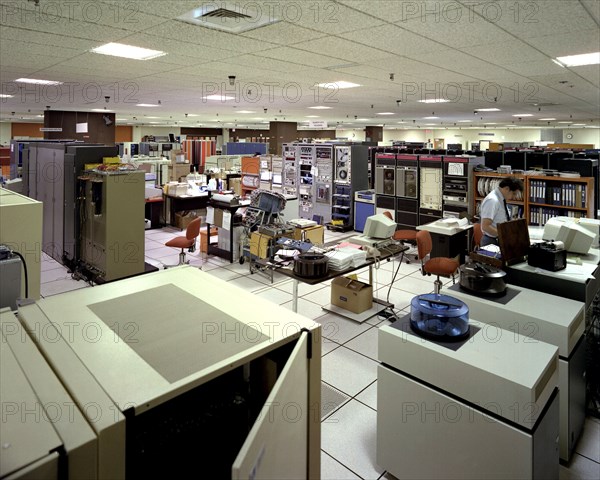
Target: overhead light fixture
(312,116)
(146,105)
(320,107)
(363,119)
(192,115)
(558,63)
(523,115)
(491,123)
(219,97)
(128,51)
(548,119)
(430,124)
(101,110)
(3,95)
(386,113)
(401,122)
(464,121)
(246,111)
(579,60)
(579,124)
(430,118)
(487,109)
(339,84)
(37,81)
(434,100)
(565,122)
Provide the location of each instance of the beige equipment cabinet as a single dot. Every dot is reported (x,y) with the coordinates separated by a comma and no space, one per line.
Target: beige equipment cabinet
(41,426)
(195,382)
(21,230)
(112,227)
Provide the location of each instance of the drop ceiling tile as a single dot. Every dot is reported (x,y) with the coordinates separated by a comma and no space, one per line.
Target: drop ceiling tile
(330,17)
(504,53)
(175,47)
(301,57)
(589,72)
(533,19)
(198,35)
(283,33)
(30,63)
(262,63)
(394,39)
(24,48)
(388,10)
(554,45)
(40,38)
(528,68)
(160,8)
(341,48)
(593,7)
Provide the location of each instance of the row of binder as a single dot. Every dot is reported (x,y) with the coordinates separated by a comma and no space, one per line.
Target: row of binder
(540,215)
(566,194)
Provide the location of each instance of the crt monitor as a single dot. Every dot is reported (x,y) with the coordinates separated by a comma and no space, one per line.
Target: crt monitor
(379,226)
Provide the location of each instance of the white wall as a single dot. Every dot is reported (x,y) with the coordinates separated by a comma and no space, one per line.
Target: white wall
(5,133)
(355,135)
(583,136)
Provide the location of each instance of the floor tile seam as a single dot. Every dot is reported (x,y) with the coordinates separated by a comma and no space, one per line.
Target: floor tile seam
(345,466)
(346,400)
(586,457)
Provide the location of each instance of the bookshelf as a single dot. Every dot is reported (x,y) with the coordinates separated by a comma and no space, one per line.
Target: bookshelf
(544,197)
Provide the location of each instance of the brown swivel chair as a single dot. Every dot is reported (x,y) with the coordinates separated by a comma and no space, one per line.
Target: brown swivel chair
(440,266)
(189,241)
(477,235)
(402,236)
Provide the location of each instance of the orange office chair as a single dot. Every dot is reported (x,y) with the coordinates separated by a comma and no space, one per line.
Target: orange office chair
(477,236)
(189,241)
(440,266)
(402,236)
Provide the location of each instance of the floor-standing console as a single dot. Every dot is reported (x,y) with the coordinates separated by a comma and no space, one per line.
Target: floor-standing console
(486,407)
(407,191)
(385,182)
(540,317)
(430,182)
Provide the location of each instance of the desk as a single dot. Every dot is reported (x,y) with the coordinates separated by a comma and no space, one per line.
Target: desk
(177,204)
(448,242)
(378,306)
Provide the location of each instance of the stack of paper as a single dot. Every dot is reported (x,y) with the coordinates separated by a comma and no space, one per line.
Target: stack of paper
(347,257)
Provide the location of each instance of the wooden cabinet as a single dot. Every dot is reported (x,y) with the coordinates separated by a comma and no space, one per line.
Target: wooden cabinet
(544,197)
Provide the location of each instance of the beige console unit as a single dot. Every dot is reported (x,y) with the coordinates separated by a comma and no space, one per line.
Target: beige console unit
(21,230)
(184,380)
(112,225)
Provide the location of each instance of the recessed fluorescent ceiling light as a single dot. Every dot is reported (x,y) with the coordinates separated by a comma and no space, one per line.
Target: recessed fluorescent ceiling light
(429,124)
(38,82)
(146,105)
(363,119)
(401,122)
(434,100)
(523,115)
(313,116)
(430,118)
(245,111)
(101,110)
(465,121)
(320,107)
(487,109)
(579,124)
(128,51)
(2,95)
(580,60)
(192,115)
(386,113)
(565,122)
(218,97)
(153,118)
(339,84)
(548,119)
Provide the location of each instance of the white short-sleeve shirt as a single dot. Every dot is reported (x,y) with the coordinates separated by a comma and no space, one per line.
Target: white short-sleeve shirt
(492,207)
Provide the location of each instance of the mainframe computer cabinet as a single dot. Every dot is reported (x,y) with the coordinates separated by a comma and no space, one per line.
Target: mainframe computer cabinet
(112,225)
(186,380)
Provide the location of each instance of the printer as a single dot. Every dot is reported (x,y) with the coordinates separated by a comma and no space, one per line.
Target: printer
(548,255)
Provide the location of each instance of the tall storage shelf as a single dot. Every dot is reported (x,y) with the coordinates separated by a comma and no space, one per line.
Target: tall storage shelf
(544,197)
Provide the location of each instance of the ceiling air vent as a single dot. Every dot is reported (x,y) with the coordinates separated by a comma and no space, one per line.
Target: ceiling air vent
(231,17)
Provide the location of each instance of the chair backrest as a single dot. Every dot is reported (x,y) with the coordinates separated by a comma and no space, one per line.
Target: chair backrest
(424,244)
(193,229)
(477,235)
(388,214)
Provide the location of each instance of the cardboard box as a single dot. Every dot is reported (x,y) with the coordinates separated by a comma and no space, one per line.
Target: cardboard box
(183,218)
(179,170)
(235,184)
(259,244)
(218,220)
(314,234)
(351,295)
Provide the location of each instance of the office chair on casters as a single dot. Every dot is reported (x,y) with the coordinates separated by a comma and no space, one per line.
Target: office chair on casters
(440,266)
(189,241)
(402,236)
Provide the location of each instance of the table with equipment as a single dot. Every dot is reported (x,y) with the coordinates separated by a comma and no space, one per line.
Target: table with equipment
(378,305)
(220,210)
(466,409)
(174,204)
(540,317)
(174,377)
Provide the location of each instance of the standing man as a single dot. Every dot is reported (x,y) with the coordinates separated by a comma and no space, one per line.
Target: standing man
(494,209)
